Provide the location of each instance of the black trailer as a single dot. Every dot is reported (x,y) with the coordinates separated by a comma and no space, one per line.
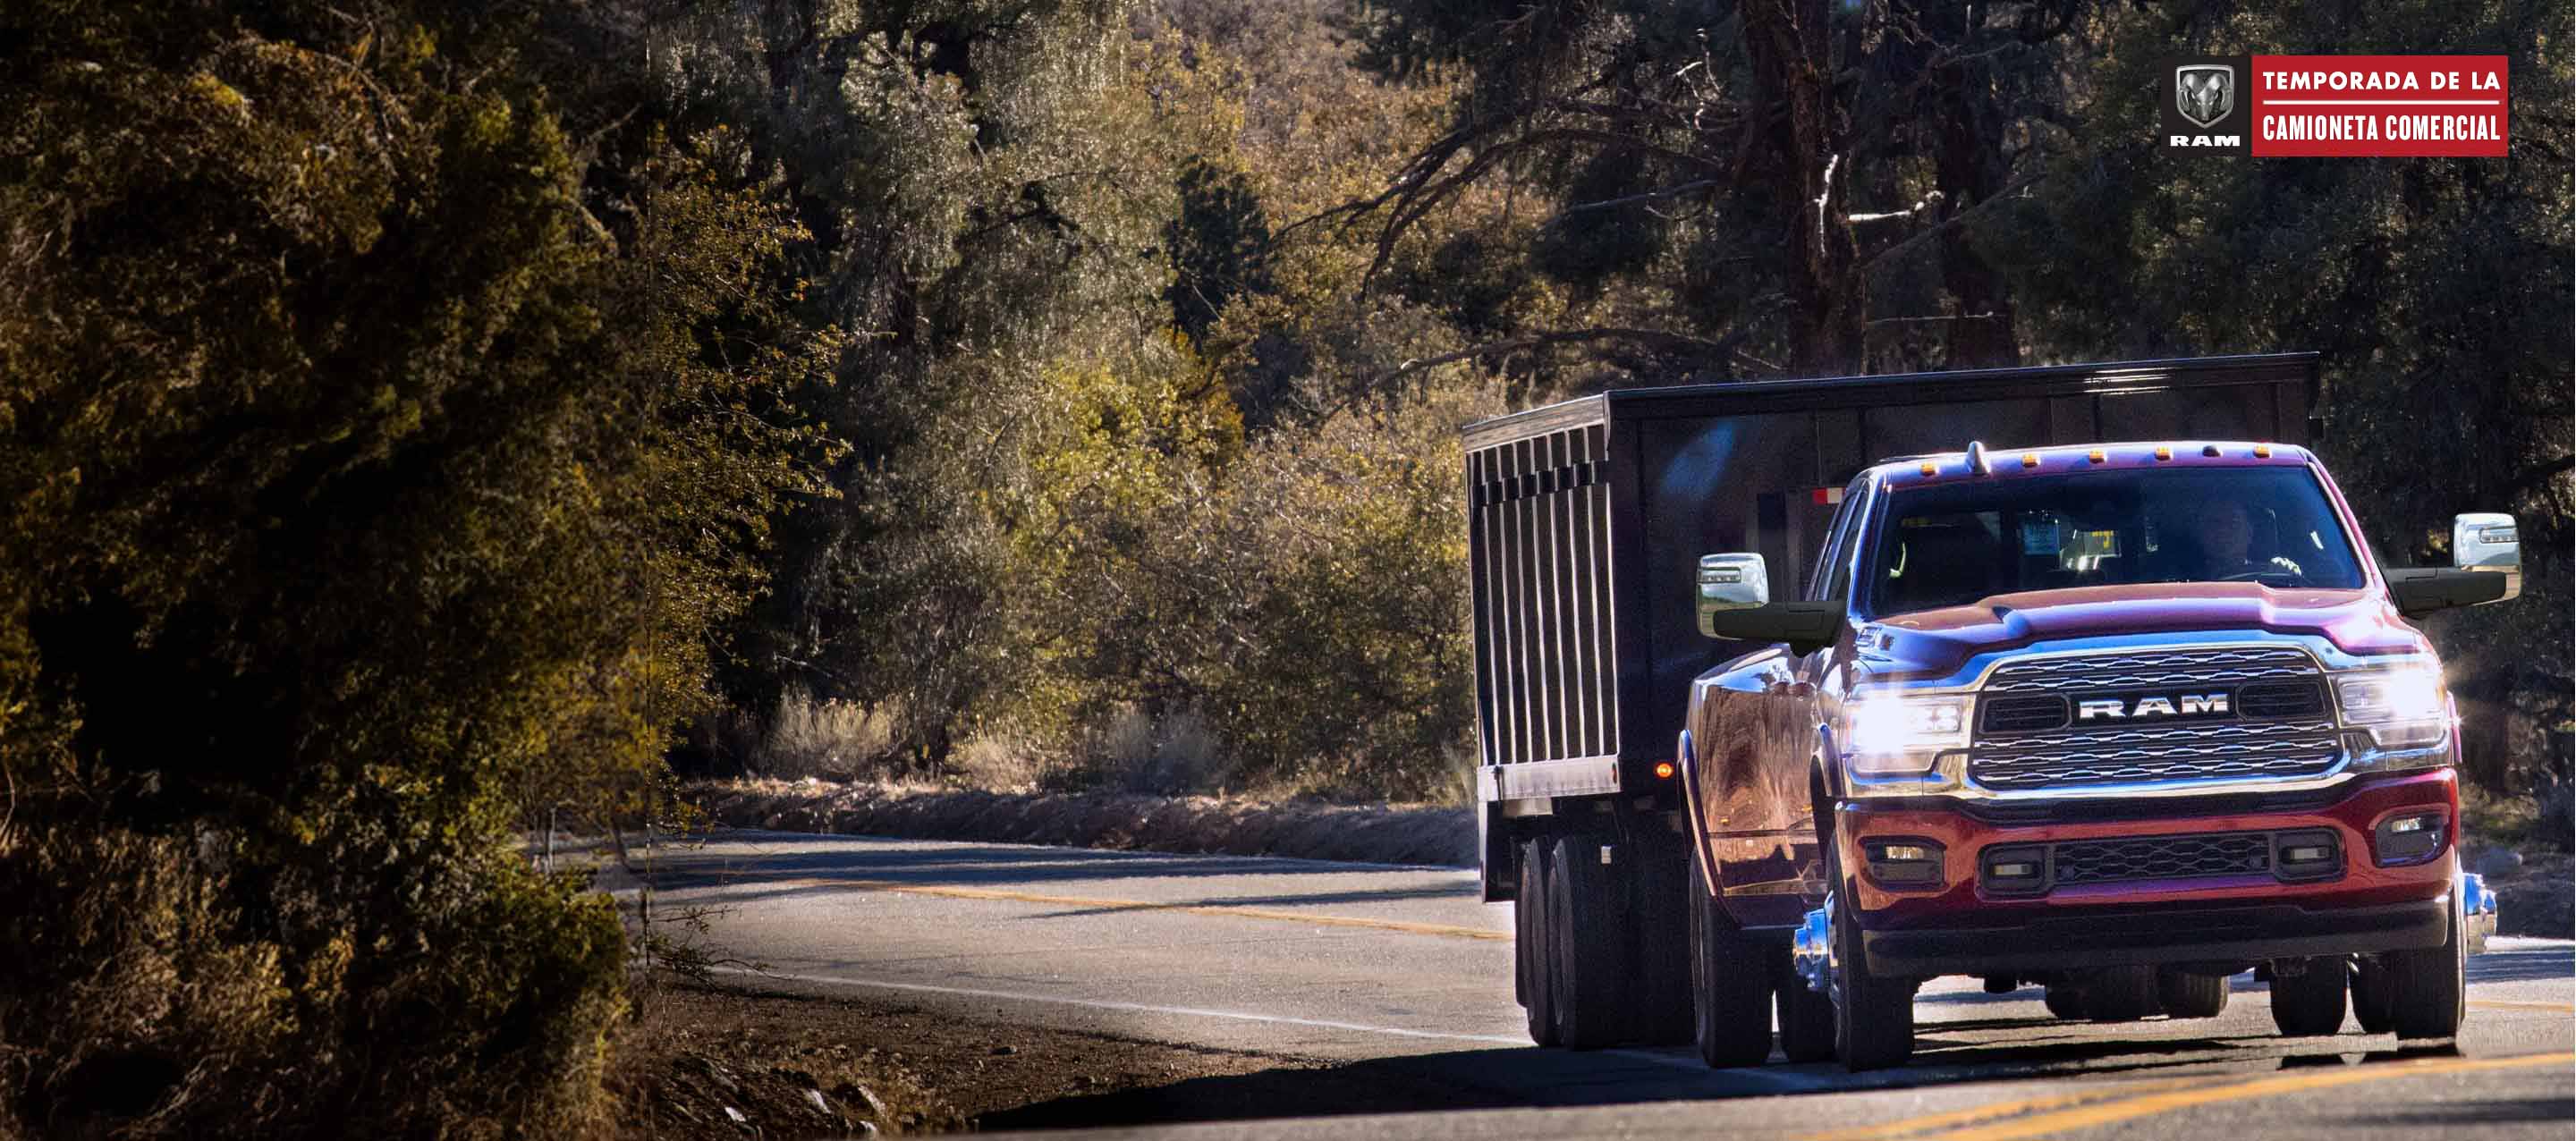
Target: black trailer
(1587,518)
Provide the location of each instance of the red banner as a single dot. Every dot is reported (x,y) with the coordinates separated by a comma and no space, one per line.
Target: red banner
(2378,105)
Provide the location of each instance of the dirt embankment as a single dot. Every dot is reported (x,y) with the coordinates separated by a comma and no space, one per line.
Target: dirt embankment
(1384,834)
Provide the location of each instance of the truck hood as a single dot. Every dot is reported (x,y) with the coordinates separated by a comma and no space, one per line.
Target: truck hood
(1938,642)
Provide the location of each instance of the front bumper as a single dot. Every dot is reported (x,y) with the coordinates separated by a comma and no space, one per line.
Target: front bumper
(1958,926)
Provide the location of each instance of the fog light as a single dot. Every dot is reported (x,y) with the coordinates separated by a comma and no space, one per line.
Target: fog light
(2311,854)
(2411,838)
(1904,863)
(2015,871)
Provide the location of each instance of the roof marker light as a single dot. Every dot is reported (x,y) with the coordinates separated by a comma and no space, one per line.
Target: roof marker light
(2262,451)
(2030,459)
(2095,455)
(2163,452)
(1928,467)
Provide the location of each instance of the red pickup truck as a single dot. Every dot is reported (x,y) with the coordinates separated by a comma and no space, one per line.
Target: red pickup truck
(2116,719)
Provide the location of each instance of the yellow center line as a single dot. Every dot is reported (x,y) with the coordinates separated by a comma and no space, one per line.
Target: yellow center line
(1442,930)
(2142,1105)
(2002,1109)
(2508,1004)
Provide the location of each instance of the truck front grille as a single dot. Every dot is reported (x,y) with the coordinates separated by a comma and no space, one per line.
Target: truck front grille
(2163,858)
(2275,723)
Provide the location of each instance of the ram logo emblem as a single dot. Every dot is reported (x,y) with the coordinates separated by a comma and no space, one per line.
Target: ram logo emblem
(2181,705)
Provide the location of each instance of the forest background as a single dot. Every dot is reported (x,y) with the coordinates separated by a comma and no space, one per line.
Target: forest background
(418,417)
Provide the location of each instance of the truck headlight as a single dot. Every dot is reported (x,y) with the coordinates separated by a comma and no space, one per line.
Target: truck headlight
(1885,735)
(2403,707)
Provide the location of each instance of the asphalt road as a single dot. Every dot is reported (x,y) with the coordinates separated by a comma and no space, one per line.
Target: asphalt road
(1400,980)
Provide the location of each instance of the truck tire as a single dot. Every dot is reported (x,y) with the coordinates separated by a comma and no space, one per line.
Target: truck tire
(1806,1015)
(1730,984)
(2184,995)
(1661,1002)
(1588,946)
(2121,994)
(2065,1002)
(2373,1007)
(2311,1002)
(1530,957)
(2428,989)
(1873,1016)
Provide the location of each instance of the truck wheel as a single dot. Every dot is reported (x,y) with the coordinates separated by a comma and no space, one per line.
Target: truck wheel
(2428,989)
(2190,996)
(1873,1017)
(1730,984)
(1806,1015)
(1588,944)
(2121,994)
(1662,999)
(2373,1005)
(2310,1002)
(1530,957)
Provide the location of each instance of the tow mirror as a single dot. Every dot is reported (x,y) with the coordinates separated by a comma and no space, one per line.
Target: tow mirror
(2486,566)
(1731,582)
(2488,541)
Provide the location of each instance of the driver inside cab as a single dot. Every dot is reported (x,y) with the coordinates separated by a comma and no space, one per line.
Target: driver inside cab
(2225,531)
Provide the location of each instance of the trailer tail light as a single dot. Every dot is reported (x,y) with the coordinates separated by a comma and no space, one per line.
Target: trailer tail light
(1904,862)
(1826,496)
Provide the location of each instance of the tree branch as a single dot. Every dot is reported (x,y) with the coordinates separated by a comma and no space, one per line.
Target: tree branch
(1653,340)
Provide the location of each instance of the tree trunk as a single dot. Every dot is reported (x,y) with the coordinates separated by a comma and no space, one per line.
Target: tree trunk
(1791,50)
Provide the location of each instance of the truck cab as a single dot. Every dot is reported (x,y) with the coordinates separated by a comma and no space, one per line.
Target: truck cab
(2120,720)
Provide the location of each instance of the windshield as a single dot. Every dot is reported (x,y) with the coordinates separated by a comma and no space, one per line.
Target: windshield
(1956,543)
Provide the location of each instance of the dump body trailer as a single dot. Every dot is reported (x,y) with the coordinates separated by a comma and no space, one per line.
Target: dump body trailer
(1587,518)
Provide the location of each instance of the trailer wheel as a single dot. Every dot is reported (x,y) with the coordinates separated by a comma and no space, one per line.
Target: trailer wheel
(2121,994)
(2310,1002)
(1873,1016)
(2428,989)
(1660,911)
(1530,937)
(2065,1002)
(2373,1005)
(1588,947)
(1806,1015)
(2190,996)
(1730,984)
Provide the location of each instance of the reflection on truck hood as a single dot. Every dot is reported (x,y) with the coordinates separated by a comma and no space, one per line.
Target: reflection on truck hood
(1937,642)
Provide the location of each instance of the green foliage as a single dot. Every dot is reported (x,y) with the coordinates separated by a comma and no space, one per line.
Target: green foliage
(364,489)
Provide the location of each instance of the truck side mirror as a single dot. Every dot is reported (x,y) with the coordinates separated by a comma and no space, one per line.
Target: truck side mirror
(2488,541)
(1731,582)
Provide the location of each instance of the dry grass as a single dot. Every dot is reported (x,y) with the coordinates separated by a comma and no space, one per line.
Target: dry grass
(1388,834)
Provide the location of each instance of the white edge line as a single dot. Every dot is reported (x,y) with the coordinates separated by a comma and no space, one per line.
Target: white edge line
(1129,1007)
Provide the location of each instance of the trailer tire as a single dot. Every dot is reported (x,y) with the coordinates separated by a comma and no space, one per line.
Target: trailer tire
(2121,994)
(2428,989)
(2311,1002)
(1806,1015)
(2185,995)
(1730,984)
(1588,947)
(2065,1002)
(1661,1004)
(1530,938)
